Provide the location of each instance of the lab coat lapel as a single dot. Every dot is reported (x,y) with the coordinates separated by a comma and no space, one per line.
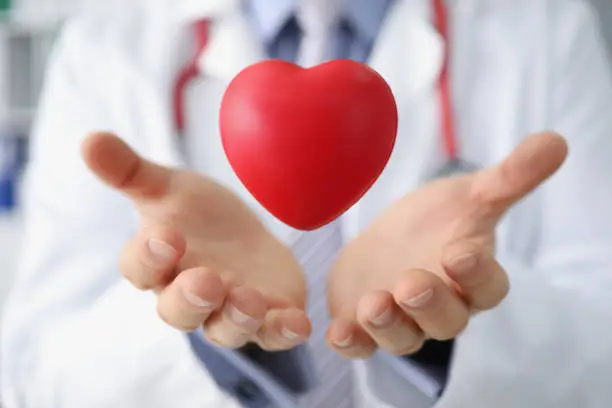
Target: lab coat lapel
(164,144)
(231,47)
(409,54)
(409,51)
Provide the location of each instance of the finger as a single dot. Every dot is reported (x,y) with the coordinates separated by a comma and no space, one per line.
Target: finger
(239,319)
(283,329)
(188,301)
(349,339)
(115,163)
(531,163)
(148,260)
(436,309)
(388,325)
(482,280)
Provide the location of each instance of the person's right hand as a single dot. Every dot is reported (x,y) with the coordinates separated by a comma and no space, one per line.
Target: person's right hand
(205,253)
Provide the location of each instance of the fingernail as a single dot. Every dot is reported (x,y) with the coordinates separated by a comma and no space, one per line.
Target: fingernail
(214,341)
(161,251)
(289,335)
(344,343)
(239,318)
(419,300)
(196,300)
(463,263)
(383,319)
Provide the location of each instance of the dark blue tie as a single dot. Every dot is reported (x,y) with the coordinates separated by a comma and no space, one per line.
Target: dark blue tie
(345,44)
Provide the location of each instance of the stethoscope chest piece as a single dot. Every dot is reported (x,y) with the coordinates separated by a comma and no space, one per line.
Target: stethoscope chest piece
(453,168)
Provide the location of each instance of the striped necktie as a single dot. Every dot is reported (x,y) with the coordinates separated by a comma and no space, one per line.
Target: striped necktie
(317,20)
(316,251)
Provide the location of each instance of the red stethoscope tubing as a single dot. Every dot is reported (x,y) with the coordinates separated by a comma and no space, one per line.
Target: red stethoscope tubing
(201,35)
(188,73)
(444,84)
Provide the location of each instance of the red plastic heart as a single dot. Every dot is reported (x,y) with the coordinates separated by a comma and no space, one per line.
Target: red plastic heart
(308,143)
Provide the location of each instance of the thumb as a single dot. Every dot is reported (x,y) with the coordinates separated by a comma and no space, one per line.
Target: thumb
(536,159)
(115,163)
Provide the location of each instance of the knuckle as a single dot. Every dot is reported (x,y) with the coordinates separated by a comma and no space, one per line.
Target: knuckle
(162,313)
(141,285)
(462,324)
(175,320)
(221,337)
(138,284)
(504,288)
(415,281)
(450,331)
(445,320)
(273,341)
(270,346)
(488,303)
(212,339)
(140,275)
(148,278)
(136,279)
(235,342)
(362,353)
(410,341)
(492,297)
(455,331)
(126,262)
(406,350)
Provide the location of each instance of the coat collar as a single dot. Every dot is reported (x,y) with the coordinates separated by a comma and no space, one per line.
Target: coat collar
(364,16)
(408,52)
(188,11)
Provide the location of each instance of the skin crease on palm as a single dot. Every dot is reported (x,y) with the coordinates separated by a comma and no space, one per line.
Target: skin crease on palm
(418,239)
(222,258)
(208,227)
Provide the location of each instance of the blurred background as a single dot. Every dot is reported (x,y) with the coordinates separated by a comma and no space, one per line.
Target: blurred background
(27,32)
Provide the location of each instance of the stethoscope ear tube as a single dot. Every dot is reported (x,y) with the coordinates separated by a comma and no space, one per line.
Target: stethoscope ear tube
(189,72)
(447,118)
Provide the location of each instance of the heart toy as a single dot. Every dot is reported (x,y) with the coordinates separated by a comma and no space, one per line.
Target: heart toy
(308,143)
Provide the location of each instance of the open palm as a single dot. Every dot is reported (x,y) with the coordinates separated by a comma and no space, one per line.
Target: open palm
(427,263)
(205,252)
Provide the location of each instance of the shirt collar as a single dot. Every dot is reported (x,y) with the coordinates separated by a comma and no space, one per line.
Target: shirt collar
(365,16)
(269,16)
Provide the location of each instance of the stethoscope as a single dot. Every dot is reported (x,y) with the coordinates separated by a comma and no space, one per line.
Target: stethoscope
(453,163)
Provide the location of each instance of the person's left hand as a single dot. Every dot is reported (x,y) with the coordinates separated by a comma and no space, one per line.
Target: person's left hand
(425,265)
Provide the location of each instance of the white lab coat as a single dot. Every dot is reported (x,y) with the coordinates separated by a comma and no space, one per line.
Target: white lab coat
(77,335)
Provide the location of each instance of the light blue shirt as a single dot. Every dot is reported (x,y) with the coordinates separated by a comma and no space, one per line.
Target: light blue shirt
(259,379)
(360,21)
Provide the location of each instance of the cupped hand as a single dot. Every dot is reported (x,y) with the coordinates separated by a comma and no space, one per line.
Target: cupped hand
(206,254)
(423,267)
